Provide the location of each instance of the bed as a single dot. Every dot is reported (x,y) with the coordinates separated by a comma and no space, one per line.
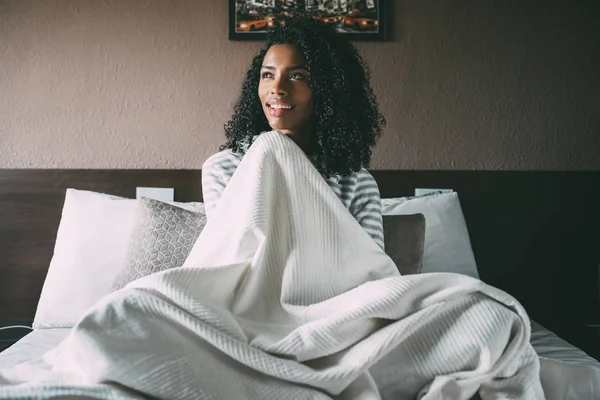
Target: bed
(567,371)
(521,226)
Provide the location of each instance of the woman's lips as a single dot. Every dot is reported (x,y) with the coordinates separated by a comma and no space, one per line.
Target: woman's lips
(278,109)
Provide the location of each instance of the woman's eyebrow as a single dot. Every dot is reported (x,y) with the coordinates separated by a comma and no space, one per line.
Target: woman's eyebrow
(297,67)
(293,67)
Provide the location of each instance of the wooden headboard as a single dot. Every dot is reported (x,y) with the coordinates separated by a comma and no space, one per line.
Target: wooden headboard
(535,235)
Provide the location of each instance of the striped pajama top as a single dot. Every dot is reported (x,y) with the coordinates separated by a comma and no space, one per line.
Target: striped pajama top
(358,192)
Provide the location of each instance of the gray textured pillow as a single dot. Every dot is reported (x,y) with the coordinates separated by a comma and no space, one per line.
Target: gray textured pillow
(404,239)
(162,238)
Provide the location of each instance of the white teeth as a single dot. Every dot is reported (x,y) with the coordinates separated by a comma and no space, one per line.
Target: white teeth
(280,106)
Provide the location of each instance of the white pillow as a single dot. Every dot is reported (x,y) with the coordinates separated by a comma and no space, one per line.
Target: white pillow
(447,245)
(90,249)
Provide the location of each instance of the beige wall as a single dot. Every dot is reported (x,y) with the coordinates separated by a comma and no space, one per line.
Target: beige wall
(149,84)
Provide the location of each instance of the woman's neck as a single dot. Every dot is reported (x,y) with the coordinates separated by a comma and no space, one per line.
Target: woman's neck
(302,138)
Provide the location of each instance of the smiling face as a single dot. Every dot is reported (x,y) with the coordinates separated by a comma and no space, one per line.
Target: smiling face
(285,93)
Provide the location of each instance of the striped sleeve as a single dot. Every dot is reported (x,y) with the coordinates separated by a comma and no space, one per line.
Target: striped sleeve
(366,206)
(216,173)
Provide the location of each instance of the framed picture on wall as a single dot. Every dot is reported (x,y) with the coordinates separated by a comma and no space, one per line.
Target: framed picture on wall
(358,19)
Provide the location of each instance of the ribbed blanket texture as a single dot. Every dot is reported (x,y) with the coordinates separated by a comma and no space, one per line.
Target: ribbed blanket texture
(285,296)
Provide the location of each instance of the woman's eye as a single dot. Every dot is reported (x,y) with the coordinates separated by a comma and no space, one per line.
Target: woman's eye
(297,76)
(266,75)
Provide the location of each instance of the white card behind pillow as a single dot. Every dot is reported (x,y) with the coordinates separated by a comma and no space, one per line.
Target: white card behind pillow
(161,194)
(447,245)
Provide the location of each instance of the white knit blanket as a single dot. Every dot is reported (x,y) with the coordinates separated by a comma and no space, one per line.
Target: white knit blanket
(284,296)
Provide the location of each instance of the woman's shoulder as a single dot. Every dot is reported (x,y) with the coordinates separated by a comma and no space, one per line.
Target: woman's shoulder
(360,176)
(228,157)
(366,183)
(224,159)
(356,182)
(364,175)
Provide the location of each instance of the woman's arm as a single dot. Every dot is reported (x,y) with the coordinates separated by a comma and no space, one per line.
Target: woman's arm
(366,206)
(216,173)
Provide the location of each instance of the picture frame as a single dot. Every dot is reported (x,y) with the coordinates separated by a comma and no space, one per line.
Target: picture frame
(360,20)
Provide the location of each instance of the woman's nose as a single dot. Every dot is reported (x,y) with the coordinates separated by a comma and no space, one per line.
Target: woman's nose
(279,87)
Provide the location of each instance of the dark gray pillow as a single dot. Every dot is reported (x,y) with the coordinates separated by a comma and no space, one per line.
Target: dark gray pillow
(404,238)
(162,238)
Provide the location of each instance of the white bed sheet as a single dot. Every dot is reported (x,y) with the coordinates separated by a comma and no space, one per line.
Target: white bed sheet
(32,346)
(567,372)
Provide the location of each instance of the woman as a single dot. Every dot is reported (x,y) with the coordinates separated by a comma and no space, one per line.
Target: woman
(312,85)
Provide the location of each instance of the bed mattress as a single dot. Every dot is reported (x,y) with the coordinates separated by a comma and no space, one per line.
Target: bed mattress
(567,372)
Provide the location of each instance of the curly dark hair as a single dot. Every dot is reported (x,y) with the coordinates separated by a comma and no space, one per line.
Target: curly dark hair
(347,120)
